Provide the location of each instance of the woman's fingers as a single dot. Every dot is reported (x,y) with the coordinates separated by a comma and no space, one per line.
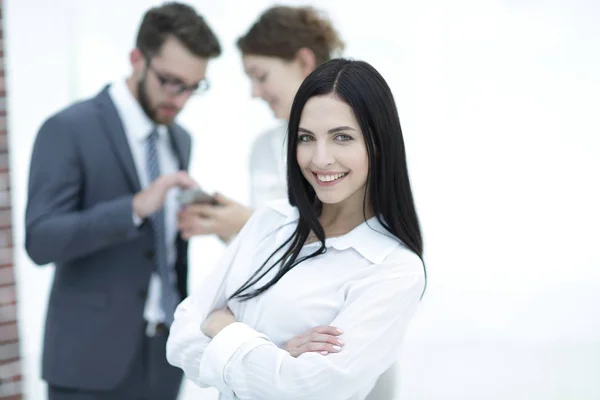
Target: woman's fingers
(322,339)
(314,347)
(327,329)
(321,346)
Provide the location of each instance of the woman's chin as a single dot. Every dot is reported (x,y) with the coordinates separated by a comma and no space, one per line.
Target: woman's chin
(329,198)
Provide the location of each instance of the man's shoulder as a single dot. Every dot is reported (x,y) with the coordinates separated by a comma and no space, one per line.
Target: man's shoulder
(81,111)
(80,119)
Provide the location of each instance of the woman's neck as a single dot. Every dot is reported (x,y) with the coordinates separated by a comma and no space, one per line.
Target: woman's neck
(339,219)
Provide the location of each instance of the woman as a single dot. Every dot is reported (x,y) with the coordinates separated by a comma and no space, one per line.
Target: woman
(345,252)
(281,48)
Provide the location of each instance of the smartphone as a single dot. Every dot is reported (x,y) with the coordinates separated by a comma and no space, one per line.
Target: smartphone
(195,196)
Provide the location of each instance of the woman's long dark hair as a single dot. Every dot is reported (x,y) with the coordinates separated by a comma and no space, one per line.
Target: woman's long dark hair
(388,186)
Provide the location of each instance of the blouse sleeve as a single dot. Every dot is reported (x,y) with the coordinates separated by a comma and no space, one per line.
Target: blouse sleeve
(374,320)
(267,174)
(187,343)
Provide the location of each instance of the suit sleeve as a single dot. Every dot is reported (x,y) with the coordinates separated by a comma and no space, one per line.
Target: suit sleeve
(56,228)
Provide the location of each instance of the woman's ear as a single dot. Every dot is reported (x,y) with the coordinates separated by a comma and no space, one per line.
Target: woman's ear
(307,60)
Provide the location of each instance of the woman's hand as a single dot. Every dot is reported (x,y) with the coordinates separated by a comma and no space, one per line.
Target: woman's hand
(322,339)
(224,220)
(217,321)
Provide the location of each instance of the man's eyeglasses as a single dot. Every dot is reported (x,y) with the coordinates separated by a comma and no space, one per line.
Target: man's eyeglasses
(174,87)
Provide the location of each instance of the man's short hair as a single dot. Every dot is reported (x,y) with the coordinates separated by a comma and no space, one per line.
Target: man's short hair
(181,22)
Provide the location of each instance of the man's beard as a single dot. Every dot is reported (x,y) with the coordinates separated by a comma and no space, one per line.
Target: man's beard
(145,104)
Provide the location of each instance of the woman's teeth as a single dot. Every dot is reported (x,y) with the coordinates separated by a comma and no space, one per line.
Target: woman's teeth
(330,178)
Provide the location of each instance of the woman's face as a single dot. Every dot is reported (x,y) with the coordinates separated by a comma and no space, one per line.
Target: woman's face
(331,151)
(275,81)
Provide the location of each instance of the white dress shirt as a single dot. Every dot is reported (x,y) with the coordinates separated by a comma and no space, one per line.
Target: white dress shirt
(268,167)
(367,283)
(137,127)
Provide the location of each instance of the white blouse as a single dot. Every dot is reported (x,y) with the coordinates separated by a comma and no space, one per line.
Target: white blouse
(268,167)
(367,283)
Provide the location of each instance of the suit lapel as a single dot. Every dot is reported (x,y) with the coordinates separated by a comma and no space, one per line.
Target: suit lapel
(113,126)
(181,145)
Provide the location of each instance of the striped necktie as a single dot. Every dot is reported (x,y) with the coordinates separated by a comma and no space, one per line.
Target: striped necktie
(169,295)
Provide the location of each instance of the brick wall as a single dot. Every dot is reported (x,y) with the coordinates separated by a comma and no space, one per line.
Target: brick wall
(10,368)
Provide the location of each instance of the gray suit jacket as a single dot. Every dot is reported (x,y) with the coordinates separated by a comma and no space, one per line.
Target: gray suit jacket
(79,217)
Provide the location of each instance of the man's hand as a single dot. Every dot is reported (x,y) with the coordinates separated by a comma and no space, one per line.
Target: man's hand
(322,339)
(152,199)
(217,321)
(224,220)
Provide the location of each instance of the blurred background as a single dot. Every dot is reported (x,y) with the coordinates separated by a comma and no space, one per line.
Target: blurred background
(499,103)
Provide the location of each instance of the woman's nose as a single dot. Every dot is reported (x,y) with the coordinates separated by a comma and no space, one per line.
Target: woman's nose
(323,155)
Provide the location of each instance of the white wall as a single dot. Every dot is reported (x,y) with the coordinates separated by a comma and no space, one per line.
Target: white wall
(499,104)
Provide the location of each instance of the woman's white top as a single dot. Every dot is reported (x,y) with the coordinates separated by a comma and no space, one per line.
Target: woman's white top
(268,167)
(367,283)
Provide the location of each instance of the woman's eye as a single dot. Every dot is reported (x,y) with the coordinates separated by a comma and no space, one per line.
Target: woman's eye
(304,138)
(263,78)
(343,138)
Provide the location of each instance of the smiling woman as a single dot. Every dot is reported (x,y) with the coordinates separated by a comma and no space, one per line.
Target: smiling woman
(280,49)
(288,316)
(331,150)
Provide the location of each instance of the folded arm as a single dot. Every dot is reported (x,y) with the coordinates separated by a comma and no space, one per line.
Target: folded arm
(187,342)
(374,320)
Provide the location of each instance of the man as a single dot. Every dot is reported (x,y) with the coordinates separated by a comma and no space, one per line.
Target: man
(102,207)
